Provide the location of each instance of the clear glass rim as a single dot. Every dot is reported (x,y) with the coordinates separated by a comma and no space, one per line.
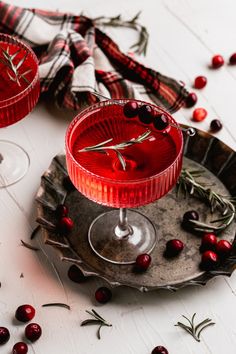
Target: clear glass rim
(100,104)
(7,38)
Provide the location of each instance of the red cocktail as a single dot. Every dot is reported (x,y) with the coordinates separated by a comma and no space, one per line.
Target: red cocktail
(19,92)
(129,175)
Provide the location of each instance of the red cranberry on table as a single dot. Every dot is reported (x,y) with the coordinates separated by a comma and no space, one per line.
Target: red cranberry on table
(217,61)
(199,114)
(61,210)
(20,348)
(160,121)
(65,225)
(173,247)
(160,350)
(146,114)
(25,313)
(143,261)
(209,260)
(4,335)
(103,295)
(191,100)
(223,248)
(232,59)
(216,125)
(200,82)
(75,274)
(131,109)
(209,241)
(33,331)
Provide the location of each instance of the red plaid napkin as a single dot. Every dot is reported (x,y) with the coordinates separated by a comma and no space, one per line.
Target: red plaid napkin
(76,59)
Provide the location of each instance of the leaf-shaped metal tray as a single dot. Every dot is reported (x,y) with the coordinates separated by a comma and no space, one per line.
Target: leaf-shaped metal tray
(203,151)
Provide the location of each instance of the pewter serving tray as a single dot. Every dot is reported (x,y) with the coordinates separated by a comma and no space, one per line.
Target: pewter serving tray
(203,151)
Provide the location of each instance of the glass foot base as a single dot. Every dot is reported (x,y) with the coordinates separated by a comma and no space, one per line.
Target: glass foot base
(14,163)
(121,250)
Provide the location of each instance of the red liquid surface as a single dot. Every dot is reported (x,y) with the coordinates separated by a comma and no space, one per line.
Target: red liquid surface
(142,160)
(8,87)
(18,92)
(150,170)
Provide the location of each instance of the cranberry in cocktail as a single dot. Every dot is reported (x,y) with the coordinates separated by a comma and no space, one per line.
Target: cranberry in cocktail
(123,161)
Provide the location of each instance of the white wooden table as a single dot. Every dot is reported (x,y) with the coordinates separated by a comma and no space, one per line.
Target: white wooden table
(184,35)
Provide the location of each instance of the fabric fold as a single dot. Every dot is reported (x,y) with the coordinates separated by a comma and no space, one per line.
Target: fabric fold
(68,47)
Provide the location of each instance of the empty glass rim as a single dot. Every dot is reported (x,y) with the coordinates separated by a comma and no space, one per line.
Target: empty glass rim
(4,38)
(100,104)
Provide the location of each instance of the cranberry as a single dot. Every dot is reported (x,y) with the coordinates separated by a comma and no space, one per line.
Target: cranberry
(209,242)
(187,217)
(146,114)
(61,210)
(217,61)
(65,225)
(33,331)
(160,350)
(232,59)
(20,348)
(25,313)
(4,335)
(103,295)
(190,100)
(200,82)
(67,184)
(160,122)
(209,260)
(143,261)
(75,274)
(223,248)
(131,109)
(191,215)
(216,125)
(173,247)
(199,114)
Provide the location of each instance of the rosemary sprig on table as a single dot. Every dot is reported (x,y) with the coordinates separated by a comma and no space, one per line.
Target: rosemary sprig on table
(195,330)
(102,146)
(187,183)
(14,73)
(141,45)
(57,304)
(96,320)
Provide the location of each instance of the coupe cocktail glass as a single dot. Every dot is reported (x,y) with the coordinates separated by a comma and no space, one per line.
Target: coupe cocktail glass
(152,169)
(19,92)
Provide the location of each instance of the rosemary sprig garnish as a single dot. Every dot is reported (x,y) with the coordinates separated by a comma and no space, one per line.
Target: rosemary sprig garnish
(14,74)
(103,146)
(27,245)
(187,183)
(57,304)
(96,320)
(141,45)
(195,330)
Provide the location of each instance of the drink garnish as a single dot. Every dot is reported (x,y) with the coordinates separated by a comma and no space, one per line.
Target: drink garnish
(102,146)
(14,73)
(187,183)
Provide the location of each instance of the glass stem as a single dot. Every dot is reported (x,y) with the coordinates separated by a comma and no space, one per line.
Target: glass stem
(123,229)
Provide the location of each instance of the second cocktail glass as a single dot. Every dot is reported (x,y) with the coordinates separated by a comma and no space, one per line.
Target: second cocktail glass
(19,93)
(108,171)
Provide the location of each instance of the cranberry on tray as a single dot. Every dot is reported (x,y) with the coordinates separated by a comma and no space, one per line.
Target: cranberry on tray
(142,262)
